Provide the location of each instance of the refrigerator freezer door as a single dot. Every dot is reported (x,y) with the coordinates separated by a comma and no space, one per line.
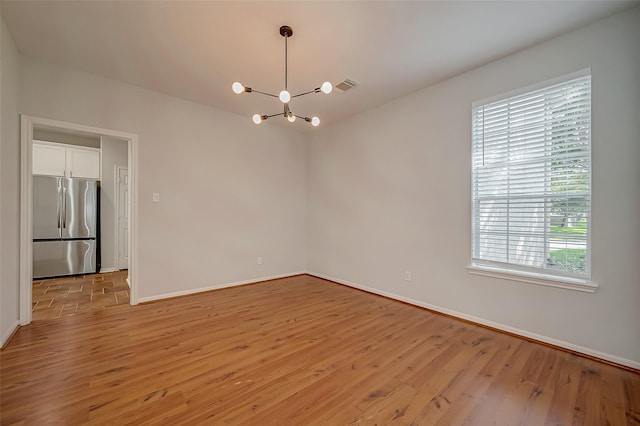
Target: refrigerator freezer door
(56,258)
(47,207)
(79,209)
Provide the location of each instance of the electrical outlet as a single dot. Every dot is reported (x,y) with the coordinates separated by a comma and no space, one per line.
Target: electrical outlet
(155,197)
(259,260)
(407,275)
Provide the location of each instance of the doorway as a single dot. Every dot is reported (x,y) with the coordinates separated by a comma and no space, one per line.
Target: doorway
(28,124)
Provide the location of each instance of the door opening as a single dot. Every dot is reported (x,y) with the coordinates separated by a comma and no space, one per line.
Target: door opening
(129,203)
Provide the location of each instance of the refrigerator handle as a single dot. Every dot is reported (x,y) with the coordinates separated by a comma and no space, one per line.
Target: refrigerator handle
(59,204)
(64,207)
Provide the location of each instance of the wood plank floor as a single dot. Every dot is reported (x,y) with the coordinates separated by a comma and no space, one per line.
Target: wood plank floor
(297,351)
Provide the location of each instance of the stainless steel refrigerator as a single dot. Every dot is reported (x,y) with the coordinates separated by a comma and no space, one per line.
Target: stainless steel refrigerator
(65,223)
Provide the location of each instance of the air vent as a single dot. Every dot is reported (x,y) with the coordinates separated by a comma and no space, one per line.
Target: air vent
(346,85)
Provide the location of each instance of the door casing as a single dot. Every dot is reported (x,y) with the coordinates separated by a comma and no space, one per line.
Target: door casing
(120,245)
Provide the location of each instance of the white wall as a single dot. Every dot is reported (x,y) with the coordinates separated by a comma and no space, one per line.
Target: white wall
(230,191)
(114,153)
(389,191)
(9,187)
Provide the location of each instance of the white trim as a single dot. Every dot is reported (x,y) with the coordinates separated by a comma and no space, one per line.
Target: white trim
(116,202)
(9,333)
(132,165)
(116,193)
(496,325)
(217,287)
(534,278)
(26,218)
(27,124)
(106,270)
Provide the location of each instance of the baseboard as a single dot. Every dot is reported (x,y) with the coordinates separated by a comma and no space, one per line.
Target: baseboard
(6,337)
(216,287)
(105,270)
(579,350)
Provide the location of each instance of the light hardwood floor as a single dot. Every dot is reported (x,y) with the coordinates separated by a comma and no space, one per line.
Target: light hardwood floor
(297,351)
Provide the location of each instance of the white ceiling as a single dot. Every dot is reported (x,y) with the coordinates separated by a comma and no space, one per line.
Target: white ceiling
(195,50)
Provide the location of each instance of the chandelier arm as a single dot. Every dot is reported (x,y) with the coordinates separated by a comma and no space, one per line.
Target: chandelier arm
(275,115)
(307,119)
(305,93)
(264,93)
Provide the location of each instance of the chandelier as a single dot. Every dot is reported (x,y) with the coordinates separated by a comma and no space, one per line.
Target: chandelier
(284,96)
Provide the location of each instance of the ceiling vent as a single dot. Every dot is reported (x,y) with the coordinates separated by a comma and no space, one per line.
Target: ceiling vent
(345,85)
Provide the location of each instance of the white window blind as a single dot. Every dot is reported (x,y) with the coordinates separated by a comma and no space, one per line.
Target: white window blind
(531,180)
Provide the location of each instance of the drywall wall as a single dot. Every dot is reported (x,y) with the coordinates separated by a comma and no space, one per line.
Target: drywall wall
(230,191)
(114,153)
(9,186)
(389,191)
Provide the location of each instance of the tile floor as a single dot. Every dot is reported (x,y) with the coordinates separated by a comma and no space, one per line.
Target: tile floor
(57,297)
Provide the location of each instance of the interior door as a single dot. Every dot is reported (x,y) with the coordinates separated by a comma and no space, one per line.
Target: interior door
(123,218)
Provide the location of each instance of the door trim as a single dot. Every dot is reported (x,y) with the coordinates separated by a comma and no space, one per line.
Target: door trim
(116,176)
(27,123)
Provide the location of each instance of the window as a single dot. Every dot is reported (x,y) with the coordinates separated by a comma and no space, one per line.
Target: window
(531,180)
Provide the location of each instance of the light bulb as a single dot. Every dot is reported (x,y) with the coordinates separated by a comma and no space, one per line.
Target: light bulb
(257,118)
(291,118)
(326,87)
(315,121)
(284,97)
(237,88)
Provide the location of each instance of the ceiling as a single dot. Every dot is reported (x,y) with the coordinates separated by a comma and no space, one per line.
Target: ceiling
(195,50)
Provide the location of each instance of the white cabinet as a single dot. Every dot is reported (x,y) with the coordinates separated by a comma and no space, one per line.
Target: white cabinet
(83,163)
(55,159)
(49,159)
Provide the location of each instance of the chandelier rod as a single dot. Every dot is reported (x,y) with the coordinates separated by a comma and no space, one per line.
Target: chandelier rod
(286,61)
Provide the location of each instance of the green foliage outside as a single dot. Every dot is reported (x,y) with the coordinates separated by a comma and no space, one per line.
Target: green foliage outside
(569,259)
(578,228)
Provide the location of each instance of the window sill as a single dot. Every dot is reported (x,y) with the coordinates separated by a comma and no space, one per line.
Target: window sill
(533,278)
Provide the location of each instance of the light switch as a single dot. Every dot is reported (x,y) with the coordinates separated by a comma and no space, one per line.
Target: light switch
(156,197)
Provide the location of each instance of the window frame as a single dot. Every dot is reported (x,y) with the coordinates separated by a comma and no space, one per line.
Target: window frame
(521,273)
